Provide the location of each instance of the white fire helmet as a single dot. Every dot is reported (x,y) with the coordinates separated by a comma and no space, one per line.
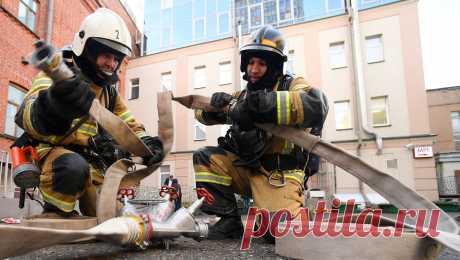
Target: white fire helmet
(105,27)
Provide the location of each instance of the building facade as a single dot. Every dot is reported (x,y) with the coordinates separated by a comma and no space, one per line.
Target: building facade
(321,49)
(444,113)
(23,22)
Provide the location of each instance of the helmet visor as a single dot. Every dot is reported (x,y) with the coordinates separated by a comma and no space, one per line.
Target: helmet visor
(114,45)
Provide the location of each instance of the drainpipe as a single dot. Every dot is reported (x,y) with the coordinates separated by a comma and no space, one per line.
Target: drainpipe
(359,77)
(49,21)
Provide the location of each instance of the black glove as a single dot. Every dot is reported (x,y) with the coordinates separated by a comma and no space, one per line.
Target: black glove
(239,113)
(220,99)
(106,149)
(72,98)
(156,147)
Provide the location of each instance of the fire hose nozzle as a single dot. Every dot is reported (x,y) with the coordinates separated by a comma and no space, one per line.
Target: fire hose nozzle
(46,58)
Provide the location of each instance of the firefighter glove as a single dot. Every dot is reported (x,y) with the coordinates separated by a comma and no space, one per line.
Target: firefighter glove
(239,113)
(156,147)
(72,98)
(220,99)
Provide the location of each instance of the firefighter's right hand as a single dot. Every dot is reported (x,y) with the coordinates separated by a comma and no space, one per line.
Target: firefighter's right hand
(220,99)
(72,98)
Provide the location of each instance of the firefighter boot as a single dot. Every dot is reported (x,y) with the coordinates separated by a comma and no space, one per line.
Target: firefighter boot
(226,227)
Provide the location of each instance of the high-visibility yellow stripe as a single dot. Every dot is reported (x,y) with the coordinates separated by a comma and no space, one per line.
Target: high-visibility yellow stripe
(288,109)
(269,43)
(278,106)
(62,205)
(283,107)
(213,178)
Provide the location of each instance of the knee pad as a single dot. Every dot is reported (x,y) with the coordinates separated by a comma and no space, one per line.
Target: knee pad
(70,172)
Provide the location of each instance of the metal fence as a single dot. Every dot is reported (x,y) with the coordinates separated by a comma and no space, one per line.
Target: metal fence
(152,193)
(7,186)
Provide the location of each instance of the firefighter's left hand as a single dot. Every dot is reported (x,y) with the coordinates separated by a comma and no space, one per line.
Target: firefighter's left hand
(156,147)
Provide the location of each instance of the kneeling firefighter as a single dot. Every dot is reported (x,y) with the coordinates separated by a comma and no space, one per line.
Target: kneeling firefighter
(247,160)
(73,151)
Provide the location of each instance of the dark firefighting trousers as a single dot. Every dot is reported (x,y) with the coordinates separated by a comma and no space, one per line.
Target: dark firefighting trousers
(216,174)
(67,178)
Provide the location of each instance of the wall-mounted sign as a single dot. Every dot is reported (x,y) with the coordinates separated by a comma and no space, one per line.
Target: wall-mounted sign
(423,151)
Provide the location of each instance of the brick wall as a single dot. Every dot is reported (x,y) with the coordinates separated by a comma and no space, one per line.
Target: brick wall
(17,41)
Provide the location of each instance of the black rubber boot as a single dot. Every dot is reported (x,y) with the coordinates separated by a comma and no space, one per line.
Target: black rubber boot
(227,228)
(50,210)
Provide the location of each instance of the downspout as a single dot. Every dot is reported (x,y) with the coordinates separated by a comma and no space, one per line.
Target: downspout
(359,78)
(49,21)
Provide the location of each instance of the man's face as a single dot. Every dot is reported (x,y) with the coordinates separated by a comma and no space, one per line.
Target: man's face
(256,69)
(107,63)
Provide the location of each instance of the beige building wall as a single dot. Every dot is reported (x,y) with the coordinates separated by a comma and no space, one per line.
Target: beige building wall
(441,102)
(399,77)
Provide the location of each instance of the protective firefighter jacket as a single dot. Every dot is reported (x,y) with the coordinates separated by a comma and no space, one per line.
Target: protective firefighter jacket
(298,105)
(32,122)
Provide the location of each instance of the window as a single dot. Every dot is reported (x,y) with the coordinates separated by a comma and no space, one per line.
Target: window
(200,131)
(198,28)
(165,171)
(199,77)
(337,55)
(166,36)
(285,10)
(334,5)
(15,98)
(27,12)
(270,16)
(374,48)
(255,15)
(166,81)
(223,22)
(134,89)
(166,4)
(290,61)
(379,109)
(392,164)
(342,115)
(225,73)
(455,118)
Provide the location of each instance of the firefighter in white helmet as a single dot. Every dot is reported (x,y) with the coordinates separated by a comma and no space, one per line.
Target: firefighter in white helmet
(73,150)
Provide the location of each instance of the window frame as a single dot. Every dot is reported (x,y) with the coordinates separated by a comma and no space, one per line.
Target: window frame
(340,66)
(455,115)
(195,38)
(17,131)
(382,49)
(28,11)
(278,14)
(387,111)
(201,69)
(218,22)
(163,75)
(290,60)
(221,65)
(326,5)
(349,112)
(261,5)
(133,86)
